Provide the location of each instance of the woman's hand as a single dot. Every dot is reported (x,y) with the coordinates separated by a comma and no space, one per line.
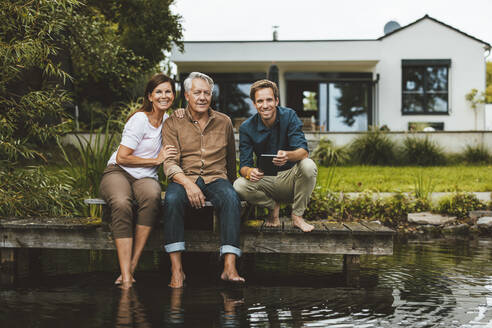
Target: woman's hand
(180,112)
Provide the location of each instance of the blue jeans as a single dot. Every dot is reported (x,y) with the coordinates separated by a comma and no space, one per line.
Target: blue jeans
(226,203)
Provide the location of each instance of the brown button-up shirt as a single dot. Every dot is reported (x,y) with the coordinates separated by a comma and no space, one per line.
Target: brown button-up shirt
(210,154)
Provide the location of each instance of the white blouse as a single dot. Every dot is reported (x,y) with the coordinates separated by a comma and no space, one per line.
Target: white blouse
(146,142)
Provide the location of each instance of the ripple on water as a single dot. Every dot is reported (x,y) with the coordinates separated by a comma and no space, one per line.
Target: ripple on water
(433,284)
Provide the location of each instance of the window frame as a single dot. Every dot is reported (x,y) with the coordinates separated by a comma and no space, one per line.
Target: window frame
(425,63)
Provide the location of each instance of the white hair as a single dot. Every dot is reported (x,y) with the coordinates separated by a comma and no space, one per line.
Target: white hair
(197,75)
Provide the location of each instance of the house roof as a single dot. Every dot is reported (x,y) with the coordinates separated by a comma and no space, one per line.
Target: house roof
(436,21)
(349,40)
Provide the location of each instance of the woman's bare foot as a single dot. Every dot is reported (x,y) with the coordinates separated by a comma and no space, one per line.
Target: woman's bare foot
(299,222)
(273,219)
(177,279)
(119,280)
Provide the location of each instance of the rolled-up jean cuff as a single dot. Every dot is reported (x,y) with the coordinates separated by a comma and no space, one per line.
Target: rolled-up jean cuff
(229,249)
(175,247)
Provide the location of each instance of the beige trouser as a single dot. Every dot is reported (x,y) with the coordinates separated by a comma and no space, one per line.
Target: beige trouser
(290,186)
(119,189)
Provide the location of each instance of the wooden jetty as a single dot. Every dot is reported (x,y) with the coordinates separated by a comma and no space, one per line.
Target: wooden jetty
(348,239)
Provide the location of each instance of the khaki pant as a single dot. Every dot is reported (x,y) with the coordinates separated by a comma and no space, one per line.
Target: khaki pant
(290,186)
(119,189)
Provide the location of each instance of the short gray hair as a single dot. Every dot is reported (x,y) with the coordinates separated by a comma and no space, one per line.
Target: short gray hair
(197,75)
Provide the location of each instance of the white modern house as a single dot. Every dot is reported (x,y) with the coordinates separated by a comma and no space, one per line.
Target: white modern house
(412,77)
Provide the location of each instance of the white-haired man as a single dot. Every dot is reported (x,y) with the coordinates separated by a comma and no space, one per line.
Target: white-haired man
(204,168)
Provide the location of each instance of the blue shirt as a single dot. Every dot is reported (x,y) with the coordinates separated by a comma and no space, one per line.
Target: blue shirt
(285,134)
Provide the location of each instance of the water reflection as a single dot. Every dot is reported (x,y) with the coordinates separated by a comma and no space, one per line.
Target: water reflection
(175,314)
(422,285)
(131,313)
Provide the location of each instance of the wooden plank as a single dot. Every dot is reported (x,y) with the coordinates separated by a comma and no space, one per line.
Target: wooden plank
(309,243)
(318,226)
(336,228)
(378,228)
(205,241)
(99,201)
(357,228)
(51,223)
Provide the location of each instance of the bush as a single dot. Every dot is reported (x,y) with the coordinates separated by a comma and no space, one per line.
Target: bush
(326,154)
(36,192)
(373,148)
(391,211)
(322,205)
(460,204)
(476,155)
(421,152)
(93,155)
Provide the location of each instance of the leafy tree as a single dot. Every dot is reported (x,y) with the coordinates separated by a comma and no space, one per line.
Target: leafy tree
(146,27)
(98,51)
(31,77)
(115,42)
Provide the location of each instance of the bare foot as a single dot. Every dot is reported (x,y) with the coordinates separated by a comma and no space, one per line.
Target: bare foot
(177,279)
(274,220)
(119,280)
(299,222)
(232,276)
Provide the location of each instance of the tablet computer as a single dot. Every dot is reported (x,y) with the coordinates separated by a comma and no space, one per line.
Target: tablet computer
(266,165)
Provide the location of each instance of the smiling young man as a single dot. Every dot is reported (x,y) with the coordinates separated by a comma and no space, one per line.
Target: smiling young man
(204,167)
(275,130)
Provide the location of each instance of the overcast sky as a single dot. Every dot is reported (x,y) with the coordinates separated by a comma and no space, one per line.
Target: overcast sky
(324,19)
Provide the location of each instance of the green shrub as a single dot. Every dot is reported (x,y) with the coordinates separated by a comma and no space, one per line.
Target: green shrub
(373,148)
(421,152)
(322,205)
(459,204)
(93,155)
(35,192)
(391,211)
(476,155)
(326,154)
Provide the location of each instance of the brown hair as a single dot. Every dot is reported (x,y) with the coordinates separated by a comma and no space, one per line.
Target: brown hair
(263,84)
(151,85)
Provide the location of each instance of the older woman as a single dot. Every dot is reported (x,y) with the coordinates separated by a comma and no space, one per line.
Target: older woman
(131,175)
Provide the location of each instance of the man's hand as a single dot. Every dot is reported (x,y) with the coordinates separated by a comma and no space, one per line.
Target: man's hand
(255,175)
(195,195)
(281,158)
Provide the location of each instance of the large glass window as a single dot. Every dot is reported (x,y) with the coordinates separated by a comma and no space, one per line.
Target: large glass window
(425,86)
(339,102)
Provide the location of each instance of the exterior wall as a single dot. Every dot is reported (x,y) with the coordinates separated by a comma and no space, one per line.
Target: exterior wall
(430,40)
(450,141)
(275,52)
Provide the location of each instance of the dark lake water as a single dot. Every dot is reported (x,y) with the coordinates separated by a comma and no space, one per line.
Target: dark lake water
(424,284)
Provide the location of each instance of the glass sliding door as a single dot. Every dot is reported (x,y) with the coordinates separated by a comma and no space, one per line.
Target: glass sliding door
(338,102)
(348,106)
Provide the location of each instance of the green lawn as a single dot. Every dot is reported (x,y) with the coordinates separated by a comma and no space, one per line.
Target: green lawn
(402,178)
